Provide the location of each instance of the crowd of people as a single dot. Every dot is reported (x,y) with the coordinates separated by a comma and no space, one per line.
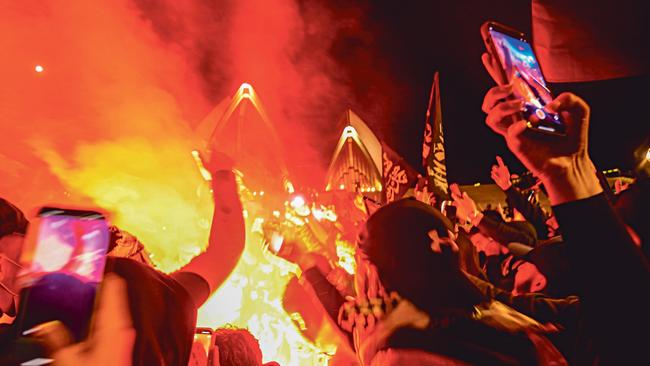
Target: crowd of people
(570,285)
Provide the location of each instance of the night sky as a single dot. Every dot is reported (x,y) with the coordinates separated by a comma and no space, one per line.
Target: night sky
(152,70)
(408,41)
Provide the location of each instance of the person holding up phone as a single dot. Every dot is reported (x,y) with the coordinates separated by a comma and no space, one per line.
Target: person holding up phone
(612,276)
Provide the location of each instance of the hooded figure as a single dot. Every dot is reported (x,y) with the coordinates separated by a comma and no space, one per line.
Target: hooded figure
(415,305)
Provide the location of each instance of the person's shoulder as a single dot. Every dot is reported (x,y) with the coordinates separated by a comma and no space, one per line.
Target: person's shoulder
(143,278)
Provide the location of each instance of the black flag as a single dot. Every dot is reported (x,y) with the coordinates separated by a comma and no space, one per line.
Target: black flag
(433,147)
(398,175)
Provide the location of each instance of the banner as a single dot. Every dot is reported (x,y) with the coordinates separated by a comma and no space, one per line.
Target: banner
(397,174)
(433,147)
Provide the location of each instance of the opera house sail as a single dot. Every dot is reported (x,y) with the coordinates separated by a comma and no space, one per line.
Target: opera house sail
(356,163)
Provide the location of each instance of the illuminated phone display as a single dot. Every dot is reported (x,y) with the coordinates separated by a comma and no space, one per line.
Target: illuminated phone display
(72,245)
(522,70)
(65,269)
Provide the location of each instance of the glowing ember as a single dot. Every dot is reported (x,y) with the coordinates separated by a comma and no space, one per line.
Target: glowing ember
(297,202)
(276,242)
(345,251)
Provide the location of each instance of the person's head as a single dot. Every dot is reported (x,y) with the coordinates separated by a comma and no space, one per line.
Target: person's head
(397,240)
(485,244)
(13,227)
(237,347)
(528,279)
(541,269)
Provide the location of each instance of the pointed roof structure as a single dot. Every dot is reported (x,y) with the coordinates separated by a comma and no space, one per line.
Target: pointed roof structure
(356,163)
(244,130)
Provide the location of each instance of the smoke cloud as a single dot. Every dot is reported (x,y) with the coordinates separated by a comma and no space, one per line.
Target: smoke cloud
(101,103)
(113,115)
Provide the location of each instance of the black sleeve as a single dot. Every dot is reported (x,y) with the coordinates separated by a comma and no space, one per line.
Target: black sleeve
(329,297)
(503,233)
(196,286)
(327,294)
(564,311)
(532,213)
(612,277)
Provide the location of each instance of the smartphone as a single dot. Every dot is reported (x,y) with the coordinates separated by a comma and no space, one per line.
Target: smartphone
(448,209)
(65,257)
(519,66)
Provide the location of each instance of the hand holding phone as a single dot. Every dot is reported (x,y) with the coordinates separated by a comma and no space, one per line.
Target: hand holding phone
(563,165)
(65,256)
(113,336)
(511,61)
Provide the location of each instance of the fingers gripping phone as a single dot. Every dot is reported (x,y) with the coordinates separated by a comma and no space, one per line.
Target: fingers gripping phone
(65,257)
(519,67)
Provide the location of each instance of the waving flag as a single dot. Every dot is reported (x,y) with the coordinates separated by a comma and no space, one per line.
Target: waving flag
(433,147)
(398,175)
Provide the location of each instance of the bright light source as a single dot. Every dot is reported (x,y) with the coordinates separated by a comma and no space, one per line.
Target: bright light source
(246,90)
(297,202)
(38,68)
(318,214)
(276,242)
(349,131)
(647,155)
(342,186)
(288,186)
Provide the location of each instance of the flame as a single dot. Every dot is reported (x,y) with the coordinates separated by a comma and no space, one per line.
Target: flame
(345,252)
(252,298)
(170,213)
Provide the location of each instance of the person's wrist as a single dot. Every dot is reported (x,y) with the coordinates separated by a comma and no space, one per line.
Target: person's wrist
(574,181)
(222,175)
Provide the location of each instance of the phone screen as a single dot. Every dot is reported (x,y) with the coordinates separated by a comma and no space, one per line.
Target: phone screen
(523,71)
(66,266)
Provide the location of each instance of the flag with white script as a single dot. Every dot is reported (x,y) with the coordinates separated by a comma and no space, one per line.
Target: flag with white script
(433,147)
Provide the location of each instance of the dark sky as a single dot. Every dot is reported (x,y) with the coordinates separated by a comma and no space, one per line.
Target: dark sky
(409,40)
